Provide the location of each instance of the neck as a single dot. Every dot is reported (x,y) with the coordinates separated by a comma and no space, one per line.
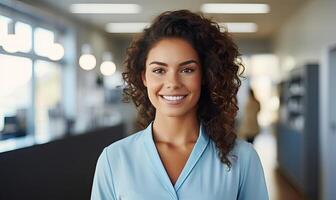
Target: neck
(174,130)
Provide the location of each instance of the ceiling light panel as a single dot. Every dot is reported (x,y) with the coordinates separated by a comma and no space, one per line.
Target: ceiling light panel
(239,27)
(94,8)
(235,8)
(126,27)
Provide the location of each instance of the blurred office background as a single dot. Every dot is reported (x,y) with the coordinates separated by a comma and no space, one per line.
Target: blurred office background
(61,89)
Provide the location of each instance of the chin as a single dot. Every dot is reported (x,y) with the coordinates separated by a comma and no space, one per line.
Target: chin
(174,113)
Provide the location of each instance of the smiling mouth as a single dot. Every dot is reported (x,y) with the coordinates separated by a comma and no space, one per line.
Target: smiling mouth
(173,99)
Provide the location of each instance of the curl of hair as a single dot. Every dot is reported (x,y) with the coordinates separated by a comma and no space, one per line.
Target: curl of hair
(221,70)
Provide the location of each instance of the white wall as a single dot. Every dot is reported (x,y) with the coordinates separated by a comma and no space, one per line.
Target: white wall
(307,33)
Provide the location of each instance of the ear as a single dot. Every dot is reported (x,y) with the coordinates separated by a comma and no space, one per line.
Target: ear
(143,78)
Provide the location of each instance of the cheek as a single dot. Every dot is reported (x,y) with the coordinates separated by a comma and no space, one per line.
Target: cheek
(195,83)
(153,84)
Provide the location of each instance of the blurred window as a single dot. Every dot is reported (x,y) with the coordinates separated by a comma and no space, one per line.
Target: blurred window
(43,39)
(30,104)
(15,93)
(3,28)
(23,33)
(49,114)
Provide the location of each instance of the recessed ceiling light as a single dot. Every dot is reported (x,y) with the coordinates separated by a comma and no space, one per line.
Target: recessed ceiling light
(126,27)
(94,8)
(239,27)
(233,8)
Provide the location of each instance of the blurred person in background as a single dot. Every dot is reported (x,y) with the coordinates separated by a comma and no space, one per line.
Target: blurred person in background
(182,74)
(249,127)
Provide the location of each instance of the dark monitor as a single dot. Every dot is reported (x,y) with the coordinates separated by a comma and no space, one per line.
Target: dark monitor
(10,120)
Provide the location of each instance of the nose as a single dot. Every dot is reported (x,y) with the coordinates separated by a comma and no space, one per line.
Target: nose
(173,81)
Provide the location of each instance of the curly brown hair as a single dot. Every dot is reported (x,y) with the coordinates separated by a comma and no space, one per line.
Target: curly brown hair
(221,67)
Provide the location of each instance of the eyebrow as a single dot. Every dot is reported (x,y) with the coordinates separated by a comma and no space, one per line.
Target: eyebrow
(181,64)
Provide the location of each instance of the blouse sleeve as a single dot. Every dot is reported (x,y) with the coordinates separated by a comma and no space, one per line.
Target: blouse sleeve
(253,185)
(103,188)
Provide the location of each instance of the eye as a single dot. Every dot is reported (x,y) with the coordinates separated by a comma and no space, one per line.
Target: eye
(187,70)
(158,71)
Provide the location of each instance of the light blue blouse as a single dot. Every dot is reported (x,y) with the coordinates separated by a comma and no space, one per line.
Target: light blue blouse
(131,169)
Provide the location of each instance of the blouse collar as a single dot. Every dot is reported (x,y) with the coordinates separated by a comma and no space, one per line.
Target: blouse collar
(158,167)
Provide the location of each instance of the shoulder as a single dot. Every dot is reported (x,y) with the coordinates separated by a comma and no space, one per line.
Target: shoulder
(242,147)
(125,146)
(244,152)
(241,153)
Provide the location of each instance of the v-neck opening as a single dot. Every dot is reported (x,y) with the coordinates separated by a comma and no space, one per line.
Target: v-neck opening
(165,168)
(194,156)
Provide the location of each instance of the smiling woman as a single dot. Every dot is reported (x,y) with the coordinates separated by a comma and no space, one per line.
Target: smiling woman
(183,76)
(173,78)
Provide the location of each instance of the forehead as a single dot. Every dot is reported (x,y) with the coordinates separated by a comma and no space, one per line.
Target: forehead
(172,50)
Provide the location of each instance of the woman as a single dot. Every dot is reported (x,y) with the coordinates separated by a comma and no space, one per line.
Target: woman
(249,128)
(182,75)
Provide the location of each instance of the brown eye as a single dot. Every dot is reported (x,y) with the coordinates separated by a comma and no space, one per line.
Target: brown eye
(188,70)
(158,71)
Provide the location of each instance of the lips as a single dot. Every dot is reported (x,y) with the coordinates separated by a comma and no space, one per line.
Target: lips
(173,99)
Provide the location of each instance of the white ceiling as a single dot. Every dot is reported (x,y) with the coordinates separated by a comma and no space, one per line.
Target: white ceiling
(268,24)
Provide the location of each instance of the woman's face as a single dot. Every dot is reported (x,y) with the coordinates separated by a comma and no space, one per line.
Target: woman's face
(173,77)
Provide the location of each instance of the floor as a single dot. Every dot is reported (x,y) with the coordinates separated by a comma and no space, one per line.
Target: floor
(278,187)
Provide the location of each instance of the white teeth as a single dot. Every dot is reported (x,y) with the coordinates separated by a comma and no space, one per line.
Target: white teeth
(173,98)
